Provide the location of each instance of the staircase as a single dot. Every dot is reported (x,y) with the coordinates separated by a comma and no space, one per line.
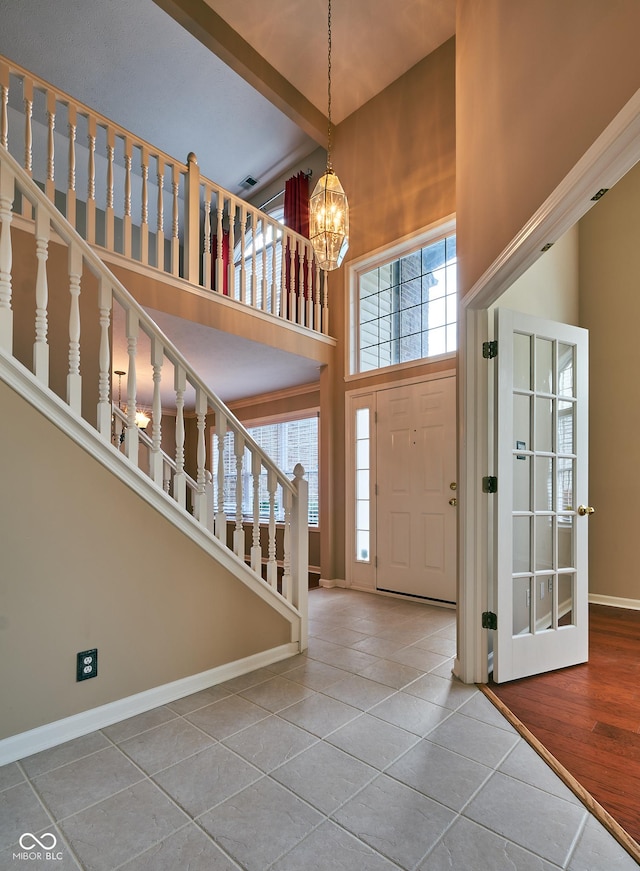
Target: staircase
(61,310)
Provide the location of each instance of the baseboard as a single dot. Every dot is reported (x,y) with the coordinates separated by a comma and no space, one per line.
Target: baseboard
(334,582)
(52,734)
(614,602)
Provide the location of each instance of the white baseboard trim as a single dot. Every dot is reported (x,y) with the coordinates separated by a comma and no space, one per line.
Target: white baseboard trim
(334,582)
(52,734)
(614,602)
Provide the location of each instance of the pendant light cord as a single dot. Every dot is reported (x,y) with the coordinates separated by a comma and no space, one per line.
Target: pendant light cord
(330,127)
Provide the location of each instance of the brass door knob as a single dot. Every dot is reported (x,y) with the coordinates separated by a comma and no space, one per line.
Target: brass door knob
(453,485)
(453,501)
(585,510)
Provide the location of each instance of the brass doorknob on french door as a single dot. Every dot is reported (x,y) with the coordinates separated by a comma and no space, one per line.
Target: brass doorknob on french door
(453,485)
(453,501)
(585,510)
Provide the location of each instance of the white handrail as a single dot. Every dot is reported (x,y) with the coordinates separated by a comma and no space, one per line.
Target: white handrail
(146,205)
(82,259)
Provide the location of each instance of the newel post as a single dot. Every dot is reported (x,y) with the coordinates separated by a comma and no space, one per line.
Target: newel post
(192,221)
(300,551)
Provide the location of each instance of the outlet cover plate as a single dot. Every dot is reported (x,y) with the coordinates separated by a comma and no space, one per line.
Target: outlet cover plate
(87,664)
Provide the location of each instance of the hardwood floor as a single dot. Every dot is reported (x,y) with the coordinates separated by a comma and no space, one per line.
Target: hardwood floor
(588,716)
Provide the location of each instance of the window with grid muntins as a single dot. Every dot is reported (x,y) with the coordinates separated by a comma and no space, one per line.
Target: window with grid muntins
(287,443)
(408,308)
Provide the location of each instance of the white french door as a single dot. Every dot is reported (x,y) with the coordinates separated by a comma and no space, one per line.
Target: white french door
(542,510)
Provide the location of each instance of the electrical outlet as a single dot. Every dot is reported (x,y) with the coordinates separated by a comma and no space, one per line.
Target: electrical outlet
(87,664)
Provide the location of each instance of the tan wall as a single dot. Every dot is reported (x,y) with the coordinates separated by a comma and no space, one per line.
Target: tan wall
(86,563)
(396,160)
(550,288)
(610,309)
(536,84)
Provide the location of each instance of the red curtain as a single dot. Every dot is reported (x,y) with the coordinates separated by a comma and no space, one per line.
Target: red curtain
(225,261)
(296,217)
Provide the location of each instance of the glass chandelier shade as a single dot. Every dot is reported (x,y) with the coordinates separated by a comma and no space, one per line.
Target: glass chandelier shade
(329,221)
(328,206)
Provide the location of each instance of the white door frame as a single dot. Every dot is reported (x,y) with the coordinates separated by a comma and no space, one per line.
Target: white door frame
(610,157)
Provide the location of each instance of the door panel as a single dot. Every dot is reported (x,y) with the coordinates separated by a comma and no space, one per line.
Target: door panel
(416,463)
(542,465)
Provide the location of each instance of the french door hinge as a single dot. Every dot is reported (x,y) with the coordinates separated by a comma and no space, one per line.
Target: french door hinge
(490,484)
(489,620)
(490,349)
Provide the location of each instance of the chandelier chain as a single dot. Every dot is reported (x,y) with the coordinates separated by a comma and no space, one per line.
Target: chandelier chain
(330,131)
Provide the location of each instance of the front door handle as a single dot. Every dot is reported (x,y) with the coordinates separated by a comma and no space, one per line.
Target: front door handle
(453,501)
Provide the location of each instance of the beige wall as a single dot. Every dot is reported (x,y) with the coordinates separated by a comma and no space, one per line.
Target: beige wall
(86,563)
(536,85)
(396,160)
(610,309)
(550,288)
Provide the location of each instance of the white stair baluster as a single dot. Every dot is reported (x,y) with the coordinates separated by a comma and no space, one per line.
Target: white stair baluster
(156,462)
(201,506)
(105,410)
(131,433)
(206,241)
(221,517)
(74,379)
(219,245)
(144,208)
(4,105)
(243,255)
(28,126)
(6,313)
(238,533)
(264,293)
(127,198)
(301,283)
(308,289)
(232,243)
(160,225)
(272,565)
(254,272)
(71,188)
(175,239)
(256,550)
(179,479)
(91,181)
(274,277)
(283,276)
(41,347)
(287,589)
(50,185)
(292,314)
(325,301)
(317,306)
(110,218)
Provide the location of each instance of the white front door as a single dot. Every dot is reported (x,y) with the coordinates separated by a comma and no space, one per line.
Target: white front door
(416,495)
(542,496)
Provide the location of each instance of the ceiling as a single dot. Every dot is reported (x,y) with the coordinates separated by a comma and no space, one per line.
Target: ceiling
(241,83)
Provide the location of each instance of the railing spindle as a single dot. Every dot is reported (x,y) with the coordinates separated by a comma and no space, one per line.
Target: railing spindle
(131,438)
(41,347)
(264,293)
(221,517)
(254,270)
(287,591)
(74,379)
(71,187)
(201,507)
(256,550)
(105,411)
(144,207)
(179,480)
(4,105)
(175,240)
(238,533)
(160,224)
(317,306)
(110,216)
(28,126)
(300,284)
(291,314)
(206,254)
(272,565)
(50,185)
(7,193)
(156,460)
(91,181)
(219,245)
(127,198)
(325,301)
(243,246)
(232,244)
(274,277)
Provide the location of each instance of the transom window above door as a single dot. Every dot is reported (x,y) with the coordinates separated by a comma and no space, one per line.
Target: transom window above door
(405,309)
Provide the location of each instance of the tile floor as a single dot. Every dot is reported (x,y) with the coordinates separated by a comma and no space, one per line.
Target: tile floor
(364,755)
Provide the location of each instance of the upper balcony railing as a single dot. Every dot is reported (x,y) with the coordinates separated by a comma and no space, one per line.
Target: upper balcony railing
(122,194)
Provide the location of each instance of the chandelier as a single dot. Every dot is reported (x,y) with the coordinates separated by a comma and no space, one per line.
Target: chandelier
(328,207)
